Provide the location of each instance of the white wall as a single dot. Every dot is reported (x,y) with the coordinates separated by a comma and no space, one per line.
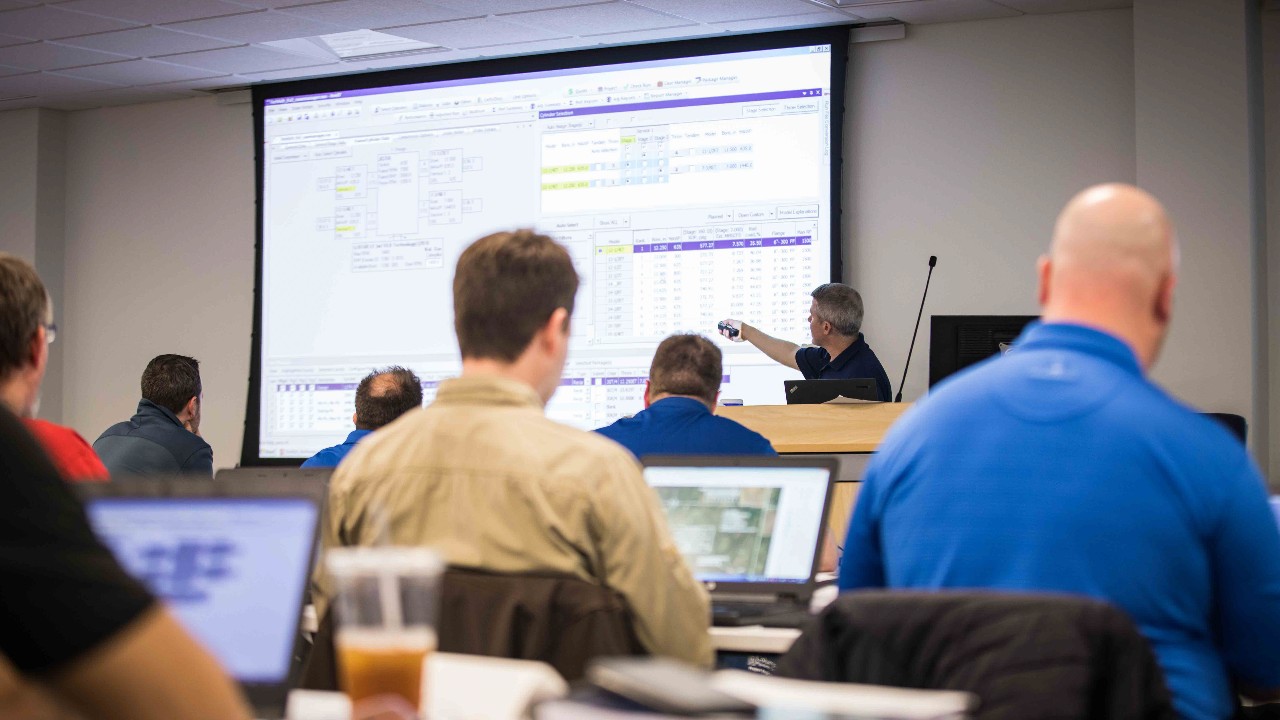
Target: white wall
(1271,120)
(964,141)
(159,258)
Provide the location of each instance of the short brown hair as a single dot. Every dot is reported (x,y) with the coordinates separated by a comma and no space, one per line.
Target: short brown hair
(24,305)
(170,381)
(686,365)
(506,287)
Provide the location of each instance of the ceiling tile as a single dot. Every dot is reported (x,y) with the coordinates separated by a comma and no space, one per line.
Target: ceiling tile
(51,56)
(295,73)
(627,38)
(596,19)
(195,87)
(922,12)
(146,42)
(729,11)
(108,98)
(45,84)
(475,32)
(374,14)
(49,23)
(13,4)
(265,4)
(541,46)
(6,40)
(154,12)
(139,72)
(435,58)
(259,26)
(1059,6)
(499,7)
(246,58)
(790,21)
(9,70)
(26,102)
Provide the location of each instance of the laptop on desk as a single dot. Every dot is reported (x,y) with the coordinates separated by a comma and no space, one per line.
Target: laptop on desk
(231,559)
(751,529)
(814,392)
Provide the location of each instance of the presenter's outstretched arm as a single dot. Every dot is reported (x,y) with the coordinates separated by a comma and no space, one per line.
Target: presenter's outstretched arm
(781,351)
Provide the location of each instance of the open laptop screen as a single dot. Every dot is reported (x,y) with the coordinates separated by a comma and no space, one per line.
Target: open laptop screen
(744,524)
(232,569)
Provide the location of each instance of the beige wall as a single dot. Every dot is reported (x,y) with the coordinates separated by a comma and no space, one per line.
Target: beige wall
(160,235)
(963,141)
(1271,132)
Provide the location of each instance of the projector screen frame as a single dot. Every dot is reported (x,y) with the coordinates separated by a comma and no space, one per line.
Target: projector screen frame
(836,35)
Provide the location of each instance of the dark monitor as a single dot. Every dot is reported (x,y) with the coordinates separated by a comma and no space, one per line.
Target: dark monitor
(958,341)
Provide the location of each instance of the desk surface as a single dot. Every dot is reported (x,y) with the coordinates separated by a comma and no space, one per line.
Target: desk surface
(819,428)
(753,639)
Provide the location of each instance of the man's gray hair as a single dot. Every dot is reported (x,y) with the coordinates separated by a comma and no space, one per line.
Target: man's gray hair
(841,306)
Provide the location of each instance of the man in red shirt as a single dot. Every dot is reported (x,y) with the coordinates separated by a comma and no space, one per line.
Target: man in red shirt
(26,329)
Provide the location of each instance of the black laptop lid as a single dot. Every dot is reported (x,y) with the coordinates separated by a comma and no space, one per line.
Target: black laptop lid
(813,392)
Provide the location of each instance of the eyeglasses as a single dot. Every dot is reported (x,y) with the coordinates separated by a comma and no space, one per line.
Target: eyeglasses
(50,332)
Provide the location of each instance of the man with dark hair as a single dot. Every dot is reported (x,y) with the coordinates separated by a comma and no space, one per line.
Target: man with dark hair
(484,476)
(382,396)
(838,350)
(26,330)
(164,435)
(679,399)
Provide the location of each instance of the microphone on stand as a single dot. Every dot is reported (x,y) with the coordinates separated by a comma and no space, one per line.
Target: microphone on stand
(933,260)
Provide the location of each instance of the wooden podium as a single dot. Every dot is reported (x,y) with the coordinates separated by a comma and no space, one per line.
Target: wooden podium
(855,428)
(851,432)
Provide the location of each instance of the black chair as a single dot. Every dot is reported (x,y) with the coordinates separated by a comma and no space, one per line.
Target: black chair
(558,619)
(1025,656)
(1235,423)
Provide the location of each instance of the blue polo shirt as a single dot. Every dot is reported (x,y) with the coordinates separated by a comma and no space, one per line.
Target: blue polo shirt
(1059,467)
(684,426)
(331,456)
(857,361)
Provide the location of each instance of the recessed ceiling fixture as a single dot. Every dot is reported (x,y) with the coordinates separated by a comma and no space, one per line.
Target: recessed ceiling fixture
(355,46)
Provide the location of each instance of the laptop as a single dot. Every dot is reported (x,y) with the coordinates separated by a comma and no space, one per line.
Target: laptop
(231,559)
(320,476)
(751,529)
(813,392)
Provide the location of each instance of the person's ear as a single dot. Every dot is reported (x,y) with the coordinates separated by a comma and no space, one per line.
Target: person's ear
(1044,268)
(647,400)
(355,418)
(1164,299)
(189,410)
(555,330)
(38,349)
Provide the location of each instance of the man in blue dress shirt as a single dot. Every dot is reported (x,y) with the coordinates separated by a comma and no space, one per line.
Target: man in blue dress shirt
(838,352)
(679,399)
(382,396)
(1060,467)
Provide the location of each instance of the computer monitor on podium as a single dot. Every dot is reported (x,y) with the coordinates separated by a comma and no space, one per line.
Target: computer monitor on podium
(958,341)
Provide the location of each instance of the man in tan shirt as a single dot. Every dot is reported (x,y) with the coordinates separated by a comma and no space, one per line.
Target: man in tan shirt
(483,475)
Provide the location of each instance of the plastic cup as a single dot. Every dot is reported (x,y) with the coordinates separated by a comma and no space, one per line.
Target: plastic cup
(386,602)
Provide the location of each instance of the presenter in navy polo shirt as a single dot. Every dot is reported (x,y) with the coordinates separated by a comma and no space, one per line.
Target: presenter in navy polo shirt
(838,351)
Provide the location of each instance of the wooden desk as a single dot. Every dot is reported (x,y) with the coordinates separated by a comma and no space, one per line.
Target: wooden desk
(819,428)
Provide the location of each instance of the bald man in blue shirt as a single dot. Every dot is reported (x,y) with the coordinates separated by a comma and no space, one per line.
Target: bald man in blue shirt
(1060,467)
(679,399)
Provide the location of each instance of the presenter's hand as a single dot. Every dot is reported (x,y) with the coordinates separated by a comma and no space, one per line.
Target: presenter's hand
(731,329)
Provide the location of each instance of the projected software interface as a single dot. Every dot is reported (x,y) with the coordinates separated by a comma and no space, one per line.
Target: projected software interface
(233,570)
(687,191)
(744,524)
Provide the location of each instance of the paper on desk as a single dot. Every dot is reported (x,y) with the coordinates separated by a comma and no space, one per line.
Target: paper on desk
(844,698)
(842,400)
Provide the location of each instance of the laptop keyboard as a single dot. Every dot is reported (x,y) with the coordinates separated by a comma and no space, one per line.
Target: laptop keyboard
(785,615)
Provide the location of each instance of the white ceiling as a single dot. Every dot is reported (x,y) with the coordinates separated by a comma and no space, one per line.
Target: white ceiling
(80,54)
